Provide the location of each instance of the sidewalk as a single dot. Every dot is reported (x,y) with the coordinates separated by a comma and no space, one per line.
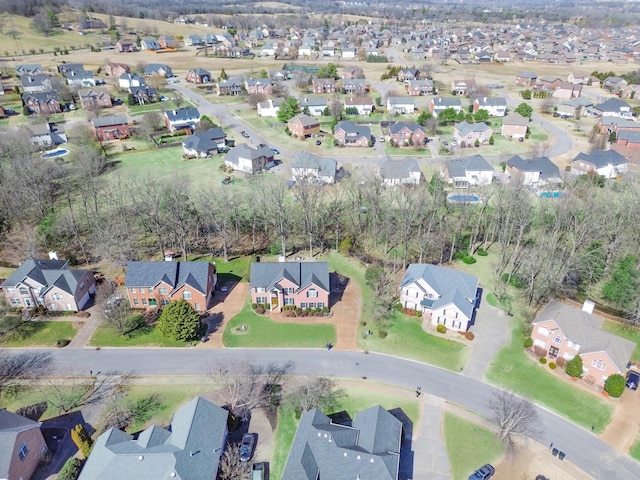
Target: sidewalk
(428,437)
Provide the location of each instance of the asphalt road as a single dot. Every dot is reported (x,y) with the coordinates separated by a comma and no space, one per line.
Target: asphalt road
(582,448)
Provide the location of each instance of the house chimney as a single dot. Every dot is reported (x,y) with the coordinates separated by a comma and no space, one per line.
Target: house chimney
(168,257)
(53,255)
(588,306)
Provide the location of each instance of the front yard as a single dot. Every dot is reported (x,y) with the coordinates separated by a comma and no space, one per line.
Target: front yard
(34,333)
(247,329)
(145,336)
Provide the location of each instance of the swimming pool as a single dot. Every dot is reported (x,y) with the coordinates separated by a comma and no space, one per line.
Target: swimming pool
(553,194)
(460,198)
(60,152)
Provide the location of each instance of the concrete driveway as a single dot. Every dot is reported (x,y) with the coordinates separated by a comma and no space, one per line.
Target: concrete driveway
(491,332)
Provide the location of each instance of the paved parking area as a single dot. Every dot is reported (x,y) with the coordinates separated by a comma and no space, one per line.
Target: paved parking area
(491,332)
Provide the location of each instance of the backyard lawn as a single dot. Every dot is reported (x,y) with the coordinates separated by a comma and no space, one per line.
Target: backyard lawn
(261,331)
(625,331)
(469,446)
(35,333)
(147,336)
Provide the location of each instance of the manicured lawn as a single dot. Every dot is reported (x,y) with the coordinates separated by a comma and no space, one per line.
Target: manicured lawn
(357,398)
(635,450)
(512,370)
(147,336)
(406,338)
(469,446)
(236,268)
(625,331)
(37,334)
(261,331)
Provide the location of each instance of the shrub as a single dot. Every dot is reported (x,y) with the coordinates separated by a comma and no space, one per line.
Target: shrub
(441,328)
(561,362)
(71,469)
(469,335)
(260,309)
(469,260)
(62,342)
(363,323)
(482,252)
(552,365)
(542,360)
(528,342)
(382,333)
(325,310)
(539,352)
(82,314)
(254,305)
(298,310)
(574,367)
(82,440)
(614,385)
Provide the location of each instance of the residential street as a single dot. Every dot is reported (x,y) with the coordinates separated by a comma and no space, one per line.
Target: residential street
(582,448)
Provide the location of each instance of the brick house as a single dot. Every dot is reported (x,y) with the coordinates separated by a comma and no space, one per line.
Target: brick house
(324,85)
(515,126)
(526,79)
(348,134)
(302,126)
(299,284)
(408,74)
(42,103)
(409,133)
(198,75)
(419,87)
(155,284)
(125,46)
(356,86)
(111,127)
(49,283)
(606,163)
(94,98)
(467,134)
(114,69)
(23,446)
(563,332)
(445,295)
(258,86)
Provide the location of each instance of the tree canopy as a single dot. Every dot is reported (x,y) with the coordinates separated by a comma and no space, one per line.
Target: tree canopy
(179,321)
(524,109)
(289,109)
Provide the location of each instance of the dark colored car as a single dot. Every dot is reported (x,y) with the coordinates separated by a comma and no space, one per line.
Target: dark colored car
(244,134)
(246,447)
(633,379)
(318,142)
(485,472)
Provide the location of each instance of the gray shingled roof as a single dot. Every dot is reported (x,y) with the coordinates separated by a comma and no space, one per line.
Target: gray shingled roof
(492,102)
(47,273)
(370,449)
(401,168)
(585,329)
(401,100)
(601,158)
(305,120)
(268,274)
(182,114)
(527,75)
(546,167)
(629,136)
(465,128)
(446,102)
(243,150)
(397,127)
(516,119)
(613,105)
(353,131)
(175,274)
(11,424)
(205,141)
(109,120)
(458,167)
(189,450)
(452,285)
(305,160)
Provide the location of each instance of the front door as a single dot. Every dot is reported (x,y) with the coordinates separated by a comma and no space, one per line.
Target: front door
(274,301)
(553,352)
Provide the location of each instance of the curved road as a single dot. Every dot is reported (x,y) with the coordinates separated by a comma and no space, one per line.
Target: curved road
(582,448)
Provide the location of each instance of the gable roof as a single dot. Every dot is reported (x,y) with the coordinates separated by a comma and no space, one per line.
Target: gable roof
(370,449)
(465,128)
(397,127)
(352,130)
(243,150)
(189,449)
(175,274)
(305,160)
(48,273)
(516,119)
(491,101)
(182,114)
(601,158)
(305,120)
(585,329)
(268,274)
(546,167)
(401,168)
(109,120)
(458,167)
(612,105)
(401,100)
(204,141)
(452,285)
(446,102)
(11,424)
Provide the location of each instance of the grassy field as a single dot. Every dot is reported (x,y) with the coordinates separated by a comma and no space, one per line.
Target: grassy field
(512,370)
(264,332)
(357,398)
(38,334)
(625,331)
(147,336)
(469,446)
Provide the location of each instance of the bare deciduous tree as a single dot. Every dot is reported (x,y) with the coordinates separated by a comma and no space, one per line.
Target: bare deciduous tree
(514,416)
(316,392)
(245,386)
(231,468)
(16,368)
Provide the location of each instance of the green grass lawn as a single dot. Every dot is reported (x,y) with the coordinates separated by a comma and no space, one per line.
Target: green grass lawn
(357,398)
(37,334)
(147,336)
(406,338)
(513,370)
(635,449)
(264,332)
(236,268)
(469,446)
(625,331)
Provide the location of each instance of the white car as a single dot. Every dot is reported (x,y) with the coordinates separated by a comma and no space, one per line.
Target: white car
(381,138)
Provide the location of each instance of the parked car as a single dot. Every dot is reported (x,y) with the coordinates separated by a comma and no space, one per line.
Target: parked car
(318,142)
(244,134)
(275,150)
(485,472)
(246,447)
(633,379)
(381,139)
(163,98)
(259,471)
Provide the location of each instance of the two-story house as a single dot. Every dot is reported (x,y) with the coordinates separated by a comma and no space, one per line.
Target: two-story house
(258,86)
(362,105)
(94,98)
(50,283)
(324,85)
(403,171)
(496,106)
(243,158)
(296,284)
(309,168)
(533,172)
(204,144)
(155,284)
(563,332)
(467,134)
(198,75)
(269,108)
(606,163)
(400,105)
(111,127)
(42,103)
(348,134)
(515,126)
(472,171)
(23,446)
(447,296)
(405,133)
(181,118)
(438,104)
(302,126)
